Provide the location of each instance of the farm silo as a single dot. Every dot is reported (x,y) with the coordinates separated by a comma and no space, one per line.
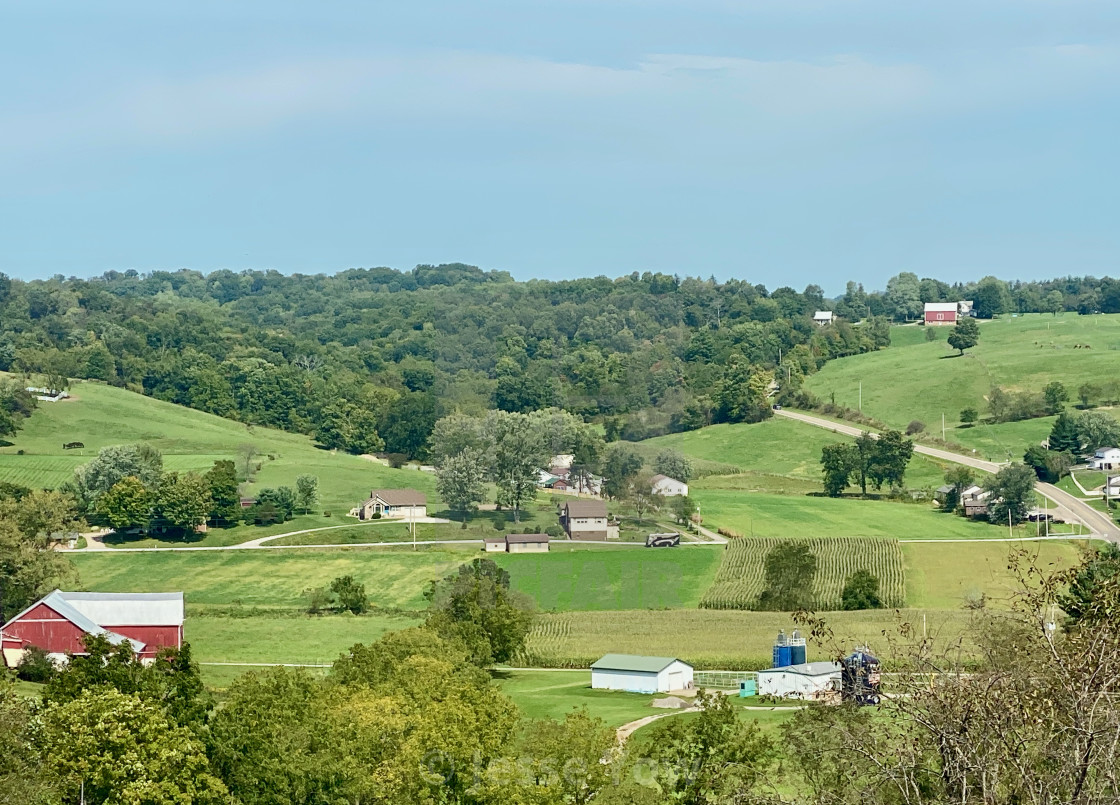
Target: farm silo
(782,655)
(797,655)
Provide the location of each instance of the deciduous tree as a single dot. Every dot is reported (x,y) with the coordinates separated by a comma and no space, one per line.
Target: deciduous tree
(127,504)
(461,482)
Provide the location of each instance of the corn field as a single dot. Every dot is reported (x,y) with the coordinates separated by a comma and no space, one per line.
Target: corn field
(741,575)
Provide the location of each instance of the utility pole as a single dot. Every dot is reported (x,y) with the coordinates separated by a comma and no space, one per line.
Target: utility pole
(1010,530)
(942,427)
(861,395)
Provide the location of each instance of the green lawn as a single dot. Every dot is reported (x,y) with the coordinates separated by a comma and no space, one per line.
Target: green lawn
(552,694)
(919,380)
(101,415)
(771,515)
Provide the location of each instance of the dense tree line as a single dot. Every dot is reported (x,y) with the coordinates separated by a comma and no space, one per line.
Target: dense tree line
(368,360)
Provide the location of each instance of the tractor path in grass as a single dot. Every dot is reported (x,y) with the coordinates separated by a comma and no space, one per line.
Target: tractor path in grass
(1069,507)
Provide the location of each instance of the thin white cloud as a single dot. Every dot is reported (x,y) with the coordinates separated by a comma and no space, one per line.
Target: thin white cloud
(460,88)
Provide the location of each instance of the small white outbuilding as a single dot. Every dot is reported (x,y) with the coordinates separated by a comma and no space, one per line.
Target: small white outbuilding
(637,674)
(805,681)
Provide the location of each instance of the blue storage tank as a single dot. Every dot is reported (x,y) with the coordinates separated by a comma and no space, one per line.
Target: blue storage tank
(785,656)
(780,659)
(797,649)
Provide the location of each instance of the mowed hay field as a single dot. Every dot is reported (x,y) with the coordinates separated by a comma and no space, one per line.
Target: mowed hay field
(742,573)
(101,415)
(772,515)
(943,575)
(577,579)
(922,380)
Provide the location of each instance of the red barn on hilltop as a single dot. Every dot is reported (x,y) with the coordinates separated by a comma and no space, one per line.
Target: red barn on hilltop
(941,313)
(57,622)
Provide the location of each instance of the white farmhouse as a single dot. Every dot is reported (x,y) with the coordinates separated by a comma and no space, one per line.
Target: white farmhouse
(1107,458)
(637,674)
(668,487)
(823,317)
(808,680)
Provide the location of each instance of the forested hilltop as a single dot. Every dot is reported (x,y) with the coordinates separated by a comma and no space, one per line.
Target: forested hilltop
(369,359)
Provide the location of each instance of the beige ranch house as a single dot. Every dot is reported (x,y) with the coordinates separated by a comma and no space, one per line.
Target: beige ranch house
(585,519)
(395,503)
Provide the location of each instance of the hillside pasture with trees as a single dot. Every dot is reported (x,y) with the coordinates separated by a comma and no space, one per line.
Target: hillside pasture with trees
(1021,354)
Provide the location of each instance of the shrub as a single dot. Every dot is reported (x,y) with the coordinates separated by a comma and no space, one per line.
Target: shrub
(350,594)
(396,460)
(554,531)
(861,591)
(500,523)
(915,426)
(35,666)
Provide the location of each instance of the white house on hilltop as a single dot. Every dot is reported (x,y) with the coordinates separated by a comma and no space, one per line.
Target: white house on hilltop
(668,487)
(404,503)
(823,317)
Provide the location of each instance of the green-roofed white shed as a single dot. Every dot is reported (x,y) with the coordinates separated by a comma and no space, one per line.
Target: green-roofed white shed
(638,674)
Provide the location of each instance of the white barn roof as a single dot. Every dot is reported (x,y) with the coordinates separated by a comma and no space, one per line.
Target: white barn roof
(806,669)
(128,609)
(941,307)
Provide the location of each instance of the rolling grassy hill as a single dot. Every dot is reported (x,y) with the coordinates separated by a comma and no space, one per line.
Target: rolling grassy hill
(777,491)
(100,415)
(914,379)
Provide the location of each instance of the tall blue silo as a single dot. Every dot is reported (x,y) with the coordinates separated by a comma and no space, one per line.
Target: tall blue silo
(781,651)
(797,649)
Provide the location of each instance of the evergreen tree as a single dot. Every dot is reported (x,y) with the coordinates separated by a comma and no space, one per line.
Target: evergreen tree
(1064,435)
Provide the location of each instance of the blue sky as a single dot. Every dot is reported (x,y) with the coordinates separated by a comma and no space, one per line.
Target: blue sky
(778,141)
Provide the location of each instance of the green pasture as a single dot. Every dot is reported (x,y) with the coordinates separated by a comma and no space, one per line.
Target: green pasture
(284,637)
(918,380)
(100,415)
(633,578)
(570,577)
(947,575)
(774,455)
(771,515)
(275,579)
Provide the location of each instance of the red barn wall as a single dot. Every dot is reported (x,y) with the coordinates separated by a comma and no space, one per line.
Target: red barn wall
(153,637)
(45,628)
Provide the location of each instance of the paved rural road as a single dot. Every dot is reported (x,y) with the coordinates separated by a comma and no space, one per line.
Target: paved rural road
(1069,508)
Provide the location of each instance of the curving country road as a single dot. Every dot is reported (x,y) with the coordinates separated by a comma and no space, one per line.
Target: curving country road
(1068,507)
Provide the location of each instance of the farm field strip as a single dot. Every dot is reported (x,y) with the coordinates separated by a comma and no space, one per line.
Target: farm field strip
(741,576)
(714,639)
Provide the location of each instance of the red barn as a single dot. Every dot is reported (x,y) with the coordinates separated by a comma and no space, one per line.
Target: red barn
(941,313)
(56,623)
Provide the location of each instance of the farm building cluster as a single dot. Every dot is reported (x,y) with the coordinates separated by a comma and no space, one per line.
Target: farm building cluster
(945,313)
(791,676)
